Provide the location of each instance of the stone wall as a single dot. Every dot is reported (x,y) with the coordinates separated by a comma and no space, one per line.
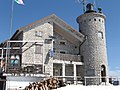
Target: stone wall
(43,32)
(69,48)
(37,35)
(94,48)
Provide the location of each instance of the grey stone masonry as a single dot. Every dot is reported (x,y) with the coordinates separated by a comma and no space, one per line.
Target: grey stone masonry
(67,47)
(93,50)
(38,34)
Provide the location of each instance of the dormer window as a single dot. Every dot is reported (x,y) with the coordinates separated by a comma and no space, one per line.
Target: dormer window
(38,33)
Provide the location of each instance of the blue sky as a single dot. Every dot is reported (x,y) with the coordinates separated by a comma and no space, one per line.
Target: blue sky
(68,10)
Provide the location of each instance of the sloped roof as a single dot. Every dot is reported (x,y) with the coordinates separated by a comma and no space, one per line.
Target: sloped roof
(55,19)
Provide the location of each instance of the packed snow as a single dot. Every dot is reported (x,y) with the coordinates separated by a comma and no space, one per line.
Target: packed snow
(21,86)
(80,87)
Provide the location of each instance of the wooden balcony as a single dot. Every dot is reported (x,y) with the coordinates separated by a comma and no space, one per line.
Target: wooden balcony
(67,57)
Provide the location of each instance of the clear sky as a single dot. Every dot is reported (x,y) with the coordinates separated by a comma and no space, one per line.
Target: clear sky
(68,10)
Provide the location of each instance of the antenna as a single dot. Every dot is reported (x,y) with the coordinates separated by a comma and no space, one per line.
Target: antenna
(97,6)
(84,5)
(78,1)
(94,3)
(83,2)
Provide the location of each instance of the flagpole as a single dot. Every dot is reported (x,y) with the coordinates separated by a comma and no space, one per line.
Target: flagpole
(11,17)
(11,25)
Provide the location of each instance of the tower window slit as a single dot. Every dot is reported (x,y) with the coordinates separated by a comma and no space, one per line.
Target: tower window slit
(100,34)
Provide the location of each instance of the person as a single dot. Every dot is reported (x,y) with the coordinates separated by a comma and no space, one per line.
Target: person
(2,67)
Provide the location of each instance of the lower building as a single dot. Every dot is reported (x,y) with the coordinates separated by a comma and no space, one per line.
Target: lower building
(48,46)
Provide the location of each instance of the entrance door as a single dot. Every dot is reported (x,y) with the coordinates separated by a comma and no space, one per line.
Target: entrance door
(103,73)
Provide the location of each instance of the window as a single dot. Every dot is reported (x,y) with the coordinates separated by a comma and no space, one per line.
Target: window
(99,20)
(54,50)
(100,34)
(75,46)
(62,43)
(38,33)
(82,59)
(94,19)
(38,49)
(62,52)
(91,72)
(48,41)
(89,19)
(53,42)
(14,62)
(39,68)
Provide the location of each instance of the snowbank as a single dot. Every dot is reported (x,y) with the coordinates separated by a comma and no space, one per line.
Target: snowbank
(80,87)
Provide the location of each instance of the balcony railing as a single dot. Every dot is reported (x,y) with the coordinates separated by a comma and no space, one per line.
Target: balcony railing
(67,57)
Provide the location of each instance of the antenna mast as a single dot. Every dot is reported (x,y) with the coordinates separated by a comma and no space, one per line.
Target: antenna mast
(84,2)
(84,5)
(94,3)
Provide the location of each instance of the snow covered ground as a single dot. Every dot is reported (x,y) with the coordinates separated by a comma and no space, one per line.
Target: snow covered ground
(20,82)
(80,87)
(21,85)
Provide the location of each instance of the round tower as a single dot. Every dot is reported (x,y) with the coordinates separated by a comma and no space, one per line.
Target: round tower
(93,50)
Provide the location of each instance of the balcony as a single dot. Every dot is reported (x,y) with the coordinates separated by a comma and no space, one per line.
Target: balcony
(67,57)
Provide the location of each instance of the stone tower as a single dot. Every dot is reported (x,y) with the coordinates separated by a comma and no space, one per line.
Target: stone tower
(93,50)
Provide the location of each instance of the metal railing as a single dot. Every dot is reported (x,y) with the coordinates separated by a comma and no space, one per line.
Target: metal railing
(101,81)
(71,79)
(20,82)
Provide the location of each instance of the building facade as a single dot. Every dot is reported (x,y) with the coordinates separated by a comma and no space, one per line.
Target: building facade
(50,46)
